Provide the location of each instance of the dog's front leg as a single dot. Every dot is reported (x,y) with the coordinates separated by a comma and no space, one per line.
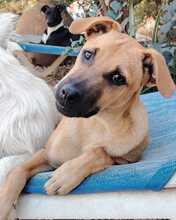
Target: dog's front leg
(73,172)
(16,181)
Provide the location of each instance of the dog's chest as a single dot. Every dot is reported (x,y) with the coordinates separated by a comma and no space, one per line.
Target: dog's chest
(49,31)
(75,136)
(45,37)
(117,141)
(57,36)
(114,143)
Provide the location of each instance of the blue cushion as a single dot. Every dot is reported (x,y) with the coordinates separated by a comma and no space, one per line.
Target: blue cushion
(152,172)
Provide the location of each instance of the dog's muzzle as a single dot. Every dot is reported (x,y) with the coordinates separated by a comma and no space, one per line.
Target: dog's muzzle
(72,101)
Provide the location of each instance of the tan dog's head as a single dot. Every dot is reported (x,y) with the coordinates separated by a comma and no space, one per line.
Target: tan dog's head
(110,70)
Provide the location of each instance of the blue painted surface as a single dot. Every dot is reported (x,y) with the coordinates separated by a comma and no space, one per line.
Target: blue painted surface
(40,48)
(152,172)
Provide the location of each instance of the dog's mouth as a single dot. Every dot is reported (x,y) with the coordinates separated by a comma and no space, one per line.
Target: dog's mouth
(79,112)
(51,24)
(75,99)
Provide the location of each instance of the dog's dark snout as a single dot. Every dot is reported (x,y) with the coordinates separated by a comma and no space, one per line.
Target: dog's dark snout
(68,95)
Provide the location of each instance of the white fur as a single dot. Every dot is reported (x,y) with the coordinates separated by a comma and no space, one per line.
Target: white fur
(12,47)
(7,26)
(27,108)
(7,162)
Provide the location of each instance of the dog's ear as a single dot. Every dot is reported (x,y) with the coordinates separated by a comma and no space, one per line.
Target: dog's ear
(44,8)
(94,26)
(154,64)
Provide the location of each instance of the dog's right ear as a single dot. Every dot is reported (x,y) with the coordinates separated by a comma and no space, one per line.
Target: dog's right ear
(154,64)
(44,8)
(61,7)
(92,26)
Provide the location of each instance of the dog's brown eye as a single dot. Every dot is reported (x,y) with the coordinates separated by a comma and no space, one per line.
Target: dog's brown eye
(115,78)
(118,79)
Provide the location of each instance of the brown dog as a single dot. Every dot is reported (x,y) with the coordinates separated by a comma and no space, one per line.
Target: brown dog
(101,94)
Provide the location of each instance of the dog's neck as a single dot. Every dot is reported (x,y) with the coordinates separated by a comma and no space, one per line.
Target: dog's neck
(115,117)
(52,29)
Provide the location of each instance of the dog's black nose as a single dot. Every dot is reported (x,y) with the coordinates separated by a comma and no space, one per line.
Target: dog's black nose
(68,95)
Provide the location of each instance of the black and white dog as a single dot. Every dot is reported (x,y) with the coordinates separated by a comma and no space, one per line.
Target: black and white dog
(56,34)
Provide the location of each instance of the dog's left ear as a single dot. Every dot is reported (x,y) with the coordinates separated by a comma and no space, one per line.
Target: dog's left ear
(155,65)
(44,8)
(92,26)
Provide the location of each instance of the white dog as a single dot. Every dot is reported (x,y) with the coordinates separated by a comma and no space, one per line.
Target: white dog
(27,107)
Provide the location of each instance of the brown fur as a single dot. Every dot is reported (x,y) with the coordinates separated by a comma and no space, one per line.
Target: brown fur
(116,134)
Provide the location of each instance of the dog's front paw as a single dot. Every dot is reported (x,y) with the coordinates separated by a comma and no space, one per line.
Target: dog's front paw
(65,179)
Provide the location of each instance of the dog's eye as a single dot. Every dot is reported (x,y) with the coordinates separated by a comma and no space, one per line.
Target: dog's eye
(115,78)
(88,54)
(118,79)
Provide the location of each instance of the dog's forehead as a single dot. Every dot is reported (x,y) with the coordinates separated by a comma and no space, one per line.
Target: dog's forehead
(116,49)
(52,9)
(112,40)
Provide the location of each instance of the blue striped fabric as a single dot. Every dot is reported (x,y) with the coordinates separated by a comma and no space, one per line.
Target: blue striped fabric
(152,172)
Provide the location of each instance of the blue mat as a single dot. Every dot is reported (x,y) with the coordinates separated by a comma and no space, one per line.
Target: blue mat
(152,172)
